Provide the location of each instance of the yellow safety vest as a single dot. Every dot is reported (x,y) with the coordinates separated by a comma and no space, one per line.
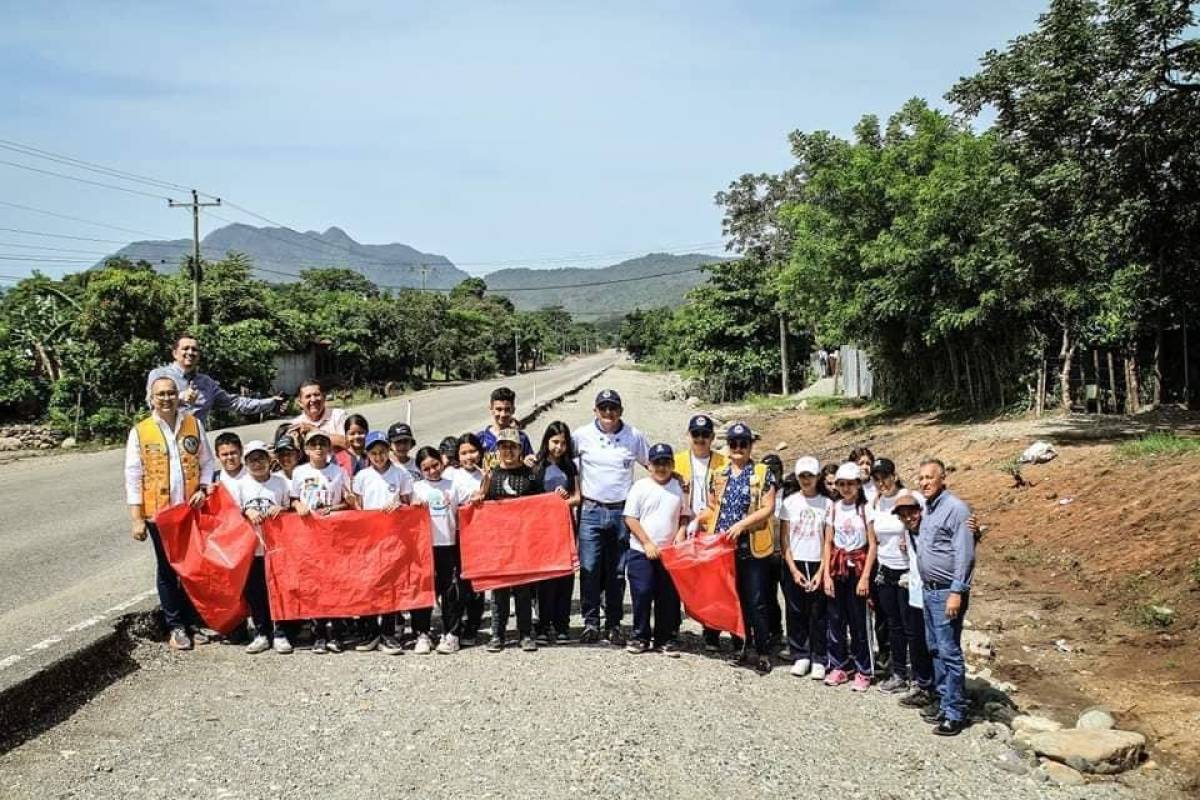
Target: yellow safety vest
(762,542)
(156,469)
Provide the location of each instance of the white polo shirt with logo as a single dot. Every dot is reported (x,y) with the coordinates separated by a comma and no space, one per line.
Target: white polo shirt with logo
(606,460)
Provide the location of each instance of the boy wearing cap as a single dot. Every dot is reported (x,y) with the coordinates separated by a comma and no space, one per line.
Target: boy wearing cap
(402,440)
(261,496)
(656,513)
(696,467)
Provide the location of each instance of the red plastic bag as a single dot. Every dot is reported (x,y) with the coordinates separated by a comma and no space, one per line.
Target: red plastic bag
(703,571)
(514,542)
(210,548)
(350,563)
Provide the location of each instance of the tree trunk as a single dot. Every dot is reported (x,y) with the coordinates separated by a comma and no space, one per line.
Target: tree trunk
(953,367)
(1040,401)
(1156,398)
(1112,383)
(967,375)
(1067,353)
(1133,402)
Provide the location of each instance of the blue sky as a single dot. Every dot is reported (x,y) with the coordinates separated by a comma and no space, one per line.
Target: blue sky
(495,134)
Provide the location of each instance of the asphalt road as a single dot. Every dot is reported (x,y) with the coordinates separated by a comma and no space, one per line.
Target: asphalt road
(67,563)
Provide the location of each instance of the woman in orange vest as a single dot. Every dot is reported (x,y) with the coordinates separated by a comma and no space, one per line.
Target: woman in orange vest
(167,462)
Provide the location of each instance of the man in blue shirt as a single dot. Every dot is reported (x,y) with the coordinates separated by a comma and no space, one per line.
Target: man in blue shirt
(200,394)
(946,560)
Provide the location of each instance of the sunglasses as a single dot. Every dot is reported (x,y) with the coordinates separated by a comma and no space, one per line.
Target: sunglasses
(739,444)
(701,435)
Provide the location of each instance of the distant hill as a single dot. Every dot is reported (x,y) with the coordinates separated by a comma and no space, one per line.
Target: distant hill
(283,250)
(675,275)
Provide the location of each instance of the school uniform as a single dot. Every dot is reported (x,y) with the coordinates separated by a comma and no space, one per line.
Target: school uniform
(554,595)
(441,499)
(658,508)
(376,491)
(806,614)
(906,640)
(252,494)
(847,609)
(508,484)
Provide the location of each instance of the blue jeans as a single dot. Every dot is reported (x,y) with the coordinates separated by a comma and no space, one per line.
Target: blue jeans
(847,610)
(177,608)
(603,549)
(753,576)
(652,590)
(944,638)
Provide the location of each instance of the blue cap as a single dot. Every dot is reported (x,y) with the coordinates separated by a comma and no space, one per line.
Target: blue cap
(701,423)
(376,437)
(608,397)
(661,451)
(738,431)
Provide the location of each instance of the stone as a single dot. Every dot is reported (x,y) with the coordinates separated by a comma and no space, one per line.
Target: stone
(693,402)
(1063,775)
(1031,723)
(978,644)
(999,712)
(1097,752)
(8,443)
(1012,761)
(1096,718)
(781,446)
(69,443)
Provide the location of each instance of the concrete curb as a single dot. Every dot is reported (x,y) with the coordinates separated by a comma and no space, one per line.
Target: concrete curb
(545,405)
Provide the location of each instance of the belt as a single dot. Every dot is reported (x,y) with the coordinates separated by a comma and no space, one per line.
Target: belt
(620,504)
(935,586)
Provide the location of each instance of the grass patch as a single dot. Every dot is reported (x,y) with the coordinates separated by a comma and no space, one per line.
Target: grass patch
(1025,556)
(829,405)
(770,402)
(644,366)
(1150,615)
(1196,571)
(1160,444)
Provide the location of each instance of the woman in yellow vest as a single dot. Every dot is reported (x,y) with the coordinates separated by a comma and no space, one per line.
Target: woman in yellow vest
(744,493)
(167,462)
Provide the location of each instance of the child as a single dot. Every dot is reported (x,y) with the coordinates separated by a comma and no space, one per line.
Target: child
(511,478)
(354,457)
(449,450)
(382,486)
(774,564)
(228,447)
(696,468)
(555,468)
(438,494)
(319,487)
(467,479)
(287,456)
(261,496)
(401,438)
(656,514)
(503,405)
(801,531)
(848,556)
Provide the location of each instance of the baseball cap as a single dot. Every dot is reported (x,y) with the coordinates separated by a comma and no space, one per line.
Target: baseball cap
(884,466)
(661,452)
(772,460)
(808,464)
(400,431)
(376,437)
(847,472)
(906,499)
(314,435)
(608,397)
(738,431)
(701,423)
(285,442)
(510,435)
(253,445)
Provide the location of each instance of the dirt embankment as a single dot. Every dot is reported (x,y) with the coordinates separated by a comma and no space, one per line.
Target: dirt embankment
(1088,576)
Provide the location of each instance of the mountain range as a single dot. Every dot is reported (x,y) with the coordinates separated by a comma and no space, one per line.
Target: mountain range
(279,254)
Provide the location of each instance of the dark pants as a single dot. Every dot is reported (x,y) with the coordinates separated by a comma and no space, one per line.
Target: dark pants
(847,609)
(906,640)
(177,608)
(554,604)
(603,545)
(752,577)
(257,598)
(806,620)
(944,637)
(448,587)
(774,610)
(385,624)
(473,613)
(883,634)
(523,596)
(652,591)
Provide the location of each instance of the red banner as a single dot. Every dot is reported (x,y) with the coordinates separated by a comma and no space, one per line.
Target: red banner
(210,548)
(518,541)
(350,563)
(703,571)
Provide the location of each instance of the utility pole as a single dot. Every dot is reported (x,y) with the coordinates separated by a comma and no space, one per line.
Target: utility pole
(195,206)
(783,352)
(516,352)
(424,269)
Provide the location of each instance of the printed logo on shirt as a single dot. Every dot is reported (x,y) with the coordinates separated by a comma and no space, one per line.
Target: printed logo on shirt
(260,504)
(313,493)
(191,444)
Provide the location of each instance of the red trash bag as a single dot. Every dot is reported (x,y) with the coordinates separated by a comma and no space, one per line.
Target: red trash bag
(703,572)
(518,541)
(210,548)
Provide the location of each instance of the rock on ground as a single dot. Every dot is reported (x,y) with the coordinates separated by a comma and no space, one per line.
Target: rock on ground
(1062,775)
(1096,718)
(1096,751)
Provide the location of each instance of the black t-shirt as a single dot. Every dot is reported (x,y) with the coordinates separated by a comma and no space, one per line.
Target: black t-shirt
(516,482)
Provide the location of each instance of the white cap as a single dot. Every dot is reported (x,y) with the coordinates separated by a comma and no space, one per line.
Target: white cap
(808,464)
(847,472)
(256,444)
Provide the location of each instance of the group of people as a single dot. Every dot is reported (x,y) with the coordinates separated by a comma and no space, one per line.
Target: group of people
(844,542)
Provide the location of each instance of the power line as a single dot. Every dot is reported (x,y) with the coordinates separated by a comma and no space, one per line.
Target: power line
(61,158)
(80,219)
(122,242)
(84,180)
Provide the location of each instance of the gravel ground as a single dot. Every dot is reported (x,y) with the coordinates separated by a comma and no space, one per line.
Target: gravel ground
(565,721)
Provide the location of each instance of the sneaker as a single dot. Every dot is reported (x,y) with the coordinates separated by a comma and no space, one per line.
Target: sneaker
(542,637)
(763,665)
(836,677)
(468,640)
(712,643)
(670,648)
(423,646)
(562,638)
(179,639)
(368,644)
(201,636)
(637,646)
(391,646)
(335,645)
(861,682)
(528,644)
(932,714)
(318,646)
(260,644)
(615,637)
(449,644)
(496,644)
(590,635)
(281,644)
(800,668)
(894,685)
(818,672)
(917,698)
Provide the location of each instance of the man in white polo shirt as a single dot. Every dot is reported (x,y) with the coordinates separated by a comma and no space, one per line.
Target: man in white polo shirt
(607,451)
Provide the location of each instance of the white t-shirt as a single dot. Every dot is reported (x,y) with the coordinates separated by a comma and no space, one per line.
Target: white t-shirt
(889,531)
(410,467)
(606,460)
(254,495)
(806,524)
(700,473)
(442,499)
(378,490)
(658,508)
(230,481)
(466,482)
(849,525)
(871,490)
(318,488)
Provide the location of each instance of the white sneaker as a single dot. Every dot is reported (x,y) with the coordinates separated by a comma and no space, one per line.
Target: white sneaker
(281,644)
(818,672)
(448,644)
(260,644)
(424,647)
(800,668)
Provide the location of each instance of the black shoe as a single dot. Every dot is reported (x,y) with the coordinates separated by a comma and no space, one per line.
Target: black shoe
(763,665)
(712,642)
(335,645)
(671,648)
(932,713)
(590,635)
(496,645)
(562,637)
(949,727)
(543,637)
(615,637)
(917,698)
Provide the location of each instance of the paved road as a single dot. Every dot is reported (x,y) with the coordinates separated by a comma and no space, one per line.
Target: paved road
(66,559)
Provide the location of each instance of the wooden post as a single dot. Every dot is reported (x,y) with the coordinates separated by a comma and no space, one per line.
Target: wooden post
(1112,383)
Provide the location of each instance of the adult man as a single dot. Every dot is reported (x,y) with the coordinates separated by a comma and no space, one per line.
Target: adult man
(200,394)
(167,462)
(946,559)
(316,415)
(607,450)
